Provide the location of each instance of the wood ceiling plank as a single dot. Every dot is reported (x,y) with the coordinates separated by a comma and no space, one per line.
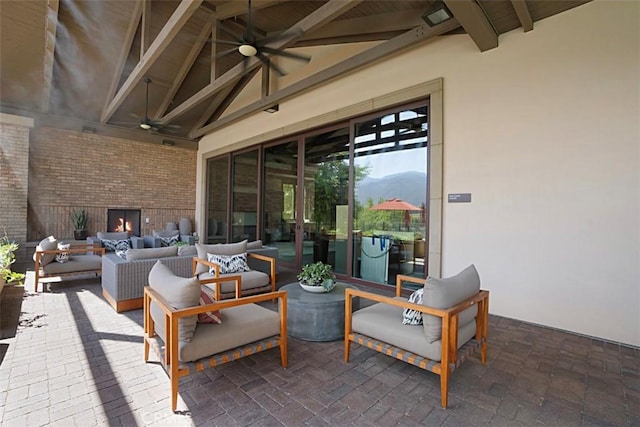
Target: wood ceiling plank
(319,17)
(475,22)
(186,66)
(235,8)
(124,50)
(396,44)
(520,6)
(180,16)
(51,25)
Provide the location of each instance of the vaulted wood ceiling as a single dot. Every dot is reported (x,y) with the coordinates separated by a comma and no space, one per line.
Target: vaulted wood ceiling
(76,64)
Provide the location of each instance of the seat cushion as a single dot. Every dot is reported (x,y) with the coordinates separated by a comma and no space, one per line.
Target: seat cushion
(383,322)
(445,293)
(179,292)
(242,325)
(250,280)
(76,263)
(218,249)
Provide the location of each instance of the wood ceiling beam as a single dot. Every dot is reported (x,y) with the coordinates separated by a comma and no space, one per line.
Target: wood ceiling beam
(180,16)
(184,69)
(50,29)
(319,17)
(145,33)
(235,8)
(475,22)
(124,50)
(394,45)
(520,6)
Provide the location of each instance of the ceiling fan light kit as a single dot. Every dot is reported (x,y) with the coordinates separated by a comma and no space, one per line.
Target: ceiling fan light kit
(247,50)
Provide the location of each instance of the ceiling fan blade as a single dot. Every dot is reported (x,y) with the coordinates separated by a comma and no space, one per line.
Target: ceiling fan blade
(268,63)
(277,37)
(291,55)
(227,42)
(226,52)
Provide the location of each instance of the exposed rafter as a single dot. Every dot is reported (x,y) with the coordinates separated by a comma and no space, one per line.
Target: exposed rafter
(319,17)
(51,25)
(183,12)
(520,6)
(145,33)
(475,22)
(396,44)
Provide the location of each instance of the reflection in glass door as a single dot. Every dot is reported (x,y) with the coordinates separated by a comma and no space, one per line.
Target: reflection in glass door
(279,202)
(244,197)
(390,195)
(217,196)
(325,198)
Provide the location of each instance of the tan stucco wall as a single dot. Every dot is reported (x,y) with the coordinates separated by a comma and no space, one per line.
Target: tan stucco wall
(544,132)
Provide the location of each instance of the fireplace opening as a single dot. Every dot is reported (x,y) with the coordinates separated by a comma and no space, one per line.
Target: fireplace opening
(119,220)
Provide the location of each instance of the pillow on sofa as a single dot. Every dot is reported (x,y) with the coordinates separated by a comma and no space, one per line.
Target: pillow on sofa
(166,233)
(218,249)
(257,244)
(48,244)
(116,245)
(445,293)
(229,263)
(63,257)
(208,296)
(149,253)
(411,316)
(112,235)
(187,250)
(179,292)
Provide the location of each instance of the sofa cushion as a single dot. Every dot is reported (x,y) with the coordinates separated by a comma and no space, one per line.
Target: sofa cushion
(187,250)
(48,244)
(229,263)
(208,296)
(116,245)
(122,235)
(445,293)
(150,253)
(179,292)
(256,244)
(166,233)
(76,264)
(410,316)
(218,249)
(64,256)
(250,280)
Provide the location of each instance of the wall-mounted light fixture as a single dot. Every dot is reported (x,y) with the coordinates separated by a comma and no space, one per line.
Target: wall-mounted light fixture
(272,109)
(168,142)
(437,14)
(88,129)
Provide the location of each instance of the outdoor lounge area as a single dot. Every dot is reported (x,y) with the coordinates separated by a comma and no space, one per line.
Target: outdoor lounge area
(75,361)
(471,164)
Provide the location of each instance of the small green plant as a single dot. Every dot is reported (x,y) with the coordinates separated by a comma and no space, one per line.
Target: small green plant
(8,257)
(315,274)
(79,219)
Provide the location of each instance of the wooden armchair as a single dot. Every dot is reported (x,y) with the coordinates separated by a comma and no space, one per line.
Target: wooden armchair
(454,329)
(79,260)
(184,347)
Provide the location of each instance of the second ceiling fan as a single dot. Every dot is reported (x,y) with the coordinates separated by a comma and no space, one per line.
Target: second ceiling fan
(248,46)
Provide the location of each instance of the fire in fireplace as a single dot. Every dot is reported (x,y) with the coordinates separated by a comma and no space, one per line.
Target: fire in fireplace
(119,220)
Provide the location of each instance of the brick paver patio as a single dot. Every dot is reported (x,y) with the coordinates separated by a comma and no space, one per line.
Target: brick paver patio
(74,361)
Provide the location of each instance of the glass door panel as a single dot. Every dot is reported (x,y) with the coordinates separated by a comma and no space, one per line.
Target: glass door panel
(390,195)
(279,202)
(325,197)
(217,197)
(245,197)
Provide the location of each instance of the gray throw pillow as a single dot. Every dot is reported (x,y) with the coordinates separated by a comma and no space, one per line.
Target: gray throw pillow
(445,293)
(218,249)
(180,292)
(256,244)
(48,244)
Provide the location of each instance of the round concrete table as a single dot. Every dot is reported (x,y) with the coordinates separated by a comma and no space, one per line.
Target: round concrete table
(317,316)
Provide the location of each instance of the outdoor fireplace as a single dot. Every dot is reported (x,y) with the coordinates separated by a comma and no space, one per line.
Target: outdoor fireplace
(128,220)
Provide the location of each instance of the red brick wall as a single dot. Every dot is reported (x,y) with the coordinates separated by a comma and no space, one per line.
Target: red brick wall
(74,170)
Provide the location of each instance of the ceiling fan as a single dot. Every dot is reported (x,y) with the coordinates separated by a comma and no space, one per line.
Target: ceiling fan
(248,46)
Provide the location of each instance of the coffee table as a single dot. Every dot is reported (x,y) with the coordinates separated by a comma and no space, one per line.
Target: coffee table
(317,316)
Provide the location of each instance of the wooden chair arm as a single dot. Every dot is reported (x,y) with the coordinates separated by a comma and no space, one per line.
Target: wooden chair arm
(72,250)
(400,278)
(272,267)
(219,280)
(208,263)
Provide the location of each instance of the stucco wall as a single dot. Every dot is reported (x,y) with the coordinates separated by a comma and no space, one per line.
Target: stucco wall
(544,132)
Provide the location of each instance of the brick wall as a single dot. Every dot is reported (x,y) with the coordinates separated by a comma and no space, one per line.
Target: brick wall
(74,170)
(14,175)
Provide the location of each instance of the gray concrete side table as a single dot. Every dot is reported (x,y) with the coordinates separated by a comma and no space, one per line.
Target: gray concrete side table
(317,317)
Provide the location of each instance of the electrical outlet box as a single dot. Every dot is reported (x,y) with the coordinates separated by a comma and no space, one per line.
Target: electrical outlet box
(146,220)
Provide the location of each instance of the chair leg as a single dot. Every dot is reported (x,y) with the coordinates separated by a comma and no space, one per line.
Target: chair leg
(444,387)
(347,348)
(283,352)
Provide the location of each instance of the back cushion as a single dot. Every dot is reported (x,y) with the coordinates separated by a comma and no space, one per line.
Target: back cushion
(148,253)
(48,244)
(179,292)
(218,249)
(113,236)
(257,244)
(166,233)
(445,293)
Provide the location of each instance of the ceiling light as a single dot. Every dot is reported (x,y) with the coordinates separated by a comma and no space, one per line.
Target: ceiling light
(145,126)
(272,109)
(247,50)
(437,14)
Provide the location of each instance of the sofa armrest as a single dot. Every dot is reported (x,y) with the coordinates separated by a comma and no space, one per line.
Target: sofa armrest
(136,242)
(93,240)
(188,238)
(152,242)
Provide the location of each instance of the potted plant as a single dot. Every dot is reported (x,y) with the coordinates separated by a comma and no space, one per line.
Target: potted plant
(317,277)
(79,220)
(8,257)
